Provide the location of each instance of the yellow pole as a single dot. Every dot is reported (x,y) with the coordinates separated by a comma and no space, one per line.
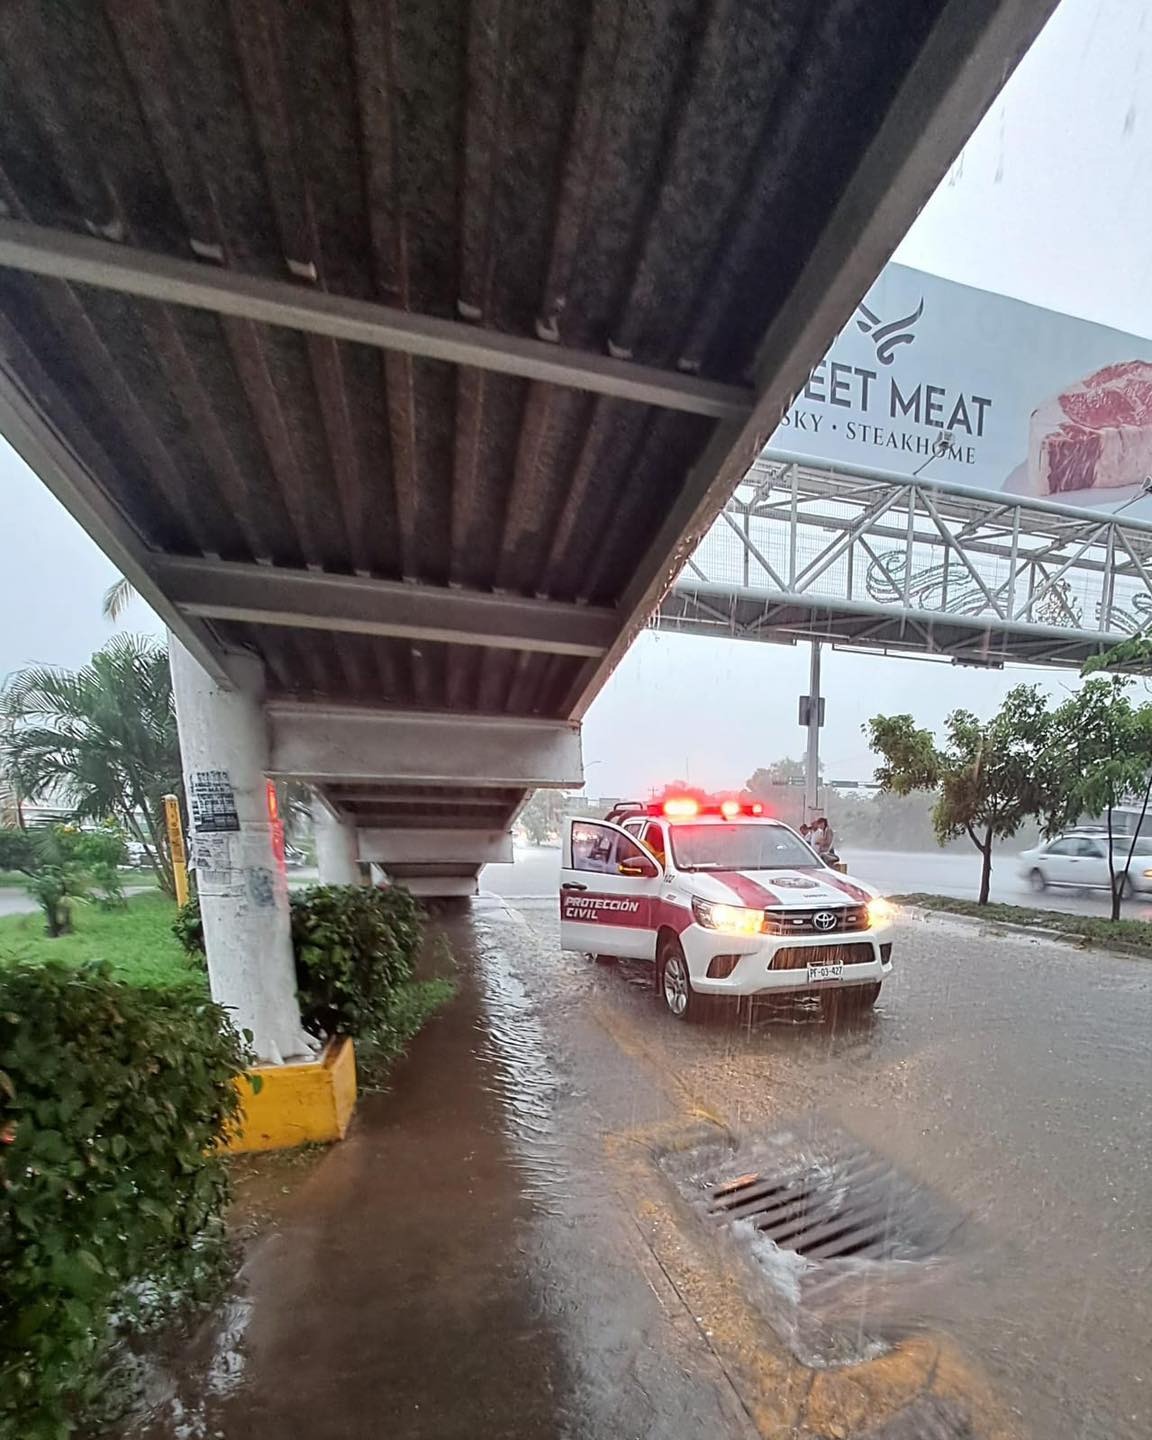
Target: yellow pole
(176,848)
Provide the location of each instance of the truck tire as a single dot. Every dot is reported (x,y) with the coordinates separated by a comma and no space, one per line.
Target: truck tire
(675,983)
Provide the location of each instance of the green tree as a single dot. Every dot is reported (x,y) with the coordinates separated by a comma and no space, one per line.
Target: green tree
(1100,755)
(543,815)
(988,777)
(101,738)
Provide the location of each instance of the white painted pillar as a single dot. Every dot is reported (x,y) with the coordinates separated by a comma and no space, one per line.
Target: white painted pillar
(241,882)
(337,847)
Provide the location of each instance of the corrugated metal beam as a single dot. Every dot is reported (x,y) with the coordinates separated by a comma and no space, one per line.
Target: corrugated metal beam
(26,428)
(324,743)
(311,600)
(65,256)
(969,54)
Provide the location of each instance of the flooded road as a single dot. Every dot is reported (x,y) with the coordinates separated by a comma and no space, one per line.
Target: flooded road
(498,1249)
(1011,1076)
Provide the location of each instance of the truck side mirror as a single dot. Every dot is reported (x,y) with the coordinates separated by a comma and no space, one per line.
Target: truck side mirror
(638,868)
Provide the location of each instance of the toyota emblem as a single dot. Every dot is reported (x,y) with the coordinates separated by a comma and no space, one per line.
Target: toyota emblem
(824,920)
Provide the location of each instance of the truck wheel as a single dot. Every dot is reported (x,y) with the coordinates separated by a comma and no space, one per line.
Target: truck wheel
(604,959)
(674,982)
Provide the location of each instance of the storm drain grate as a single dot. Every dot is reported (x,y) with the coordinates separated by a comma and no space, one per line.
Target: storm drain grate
(844,1251)
(848,1205)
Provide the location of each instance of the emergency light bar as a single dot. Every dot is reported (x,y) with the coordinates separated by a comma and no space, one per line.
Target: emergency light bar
(684,807)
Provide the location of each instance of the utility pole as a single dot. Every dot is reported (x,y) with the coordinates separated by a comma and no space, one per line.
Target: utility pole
(812,763)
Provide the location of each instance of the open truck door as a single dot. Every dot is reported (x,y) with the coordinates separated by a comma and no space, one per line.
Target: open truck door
(609,891)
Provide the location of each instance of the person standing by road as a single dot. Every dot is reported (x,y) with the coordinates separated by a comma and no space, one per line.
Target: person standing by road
(822,840)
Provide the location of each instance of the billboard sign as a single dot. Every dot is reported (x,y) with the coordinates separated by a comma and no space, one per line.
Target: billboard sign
(963,386)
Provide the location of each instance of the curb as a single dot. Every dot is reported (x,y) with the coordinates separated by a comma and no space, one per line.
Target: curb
(1011,927)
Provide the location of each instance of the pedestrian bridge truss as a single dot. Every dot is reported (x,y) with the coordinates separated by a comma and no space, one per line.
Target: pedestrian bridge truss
(912,566)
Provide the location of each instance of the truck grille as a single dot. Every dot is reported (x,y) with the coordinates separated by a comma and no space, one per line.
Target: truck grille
(802,922)
(797,957)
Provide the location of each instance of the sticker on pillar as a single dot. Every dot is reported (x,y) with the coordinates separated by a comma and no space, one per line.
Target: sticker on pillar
(216,872)
(212,802)
(262,887)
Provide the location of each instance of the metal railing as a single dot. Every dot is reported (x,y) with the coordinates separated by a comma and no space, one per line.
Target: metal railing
(863,557)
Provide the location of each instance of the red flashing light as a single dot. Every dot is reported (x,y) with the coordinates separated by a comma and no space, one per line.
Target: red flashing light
(757,808)
(681,807)
(730,809)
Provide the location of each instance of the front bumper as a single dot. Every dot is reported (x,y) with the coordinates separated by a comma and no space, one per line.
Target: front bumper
(758,971)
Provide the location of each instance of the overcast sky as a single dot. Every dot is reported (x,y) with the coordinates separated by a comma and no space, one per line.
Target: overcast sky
(1051,202)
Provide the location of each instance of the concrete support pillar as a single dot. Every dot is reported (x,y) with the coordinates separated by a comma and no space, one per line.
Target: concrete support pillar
(239,874)
(337,847)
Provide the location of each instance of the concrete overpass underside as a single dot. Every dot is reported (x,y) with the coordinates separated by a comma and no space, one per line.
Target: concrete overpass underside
(410,348)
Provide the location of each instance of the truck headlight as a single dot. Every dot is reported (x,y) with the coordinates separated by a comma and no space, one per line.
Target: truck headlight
(880,910)
(729,919)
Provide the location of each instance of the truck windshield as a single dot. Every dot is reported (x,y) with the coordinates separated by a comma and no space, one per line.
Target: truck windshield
(739,847)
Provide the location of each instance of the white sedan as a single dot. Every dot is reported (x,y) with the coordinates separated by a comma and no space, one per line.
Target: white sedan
(1080,862)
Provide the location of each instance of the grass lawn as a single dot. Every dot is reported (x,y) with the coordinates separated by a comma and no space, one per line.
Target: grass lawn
(1096,929)
(137,941)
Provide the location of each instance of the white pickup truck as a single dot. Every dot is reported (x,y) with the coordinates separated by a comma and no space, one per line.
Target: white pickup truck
(724,901)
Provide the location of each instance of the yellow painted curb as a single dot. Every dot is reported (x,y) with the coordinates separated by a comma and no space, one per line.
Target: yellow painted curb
(298,1104)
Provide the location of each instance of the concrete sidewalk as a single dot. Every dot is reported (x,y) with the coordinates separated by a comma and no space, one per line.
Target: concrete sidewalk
(405,1287)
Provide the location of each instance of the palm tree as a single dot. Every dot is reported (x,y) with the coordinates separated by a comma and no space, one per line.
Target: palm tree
(116,599)
(11,815)
(102,738)
(294,796)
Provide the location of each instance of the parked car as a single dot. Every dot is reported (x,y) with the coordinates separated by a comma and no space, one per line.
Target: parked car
(1078,860)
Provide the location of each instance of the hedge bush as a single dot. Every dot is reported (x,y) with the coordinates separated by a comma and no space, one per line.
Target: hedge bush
(355,946)
(112,1194)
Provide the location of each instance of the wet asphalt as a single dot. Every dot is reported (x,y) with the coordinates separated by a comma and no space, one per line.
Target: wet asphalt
(950,872)
(1012,1077)
(478,1257)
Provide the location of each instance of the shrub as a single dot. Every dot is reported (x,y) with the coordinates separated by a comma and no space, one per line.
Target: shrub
(65,864)
(112,1099)
(100,853)
(188,927)
(354,947)
(17,848)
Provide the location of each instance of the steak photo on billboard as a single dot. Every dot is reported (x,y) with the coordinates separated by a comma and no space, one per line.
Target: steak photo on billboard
(964,387)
